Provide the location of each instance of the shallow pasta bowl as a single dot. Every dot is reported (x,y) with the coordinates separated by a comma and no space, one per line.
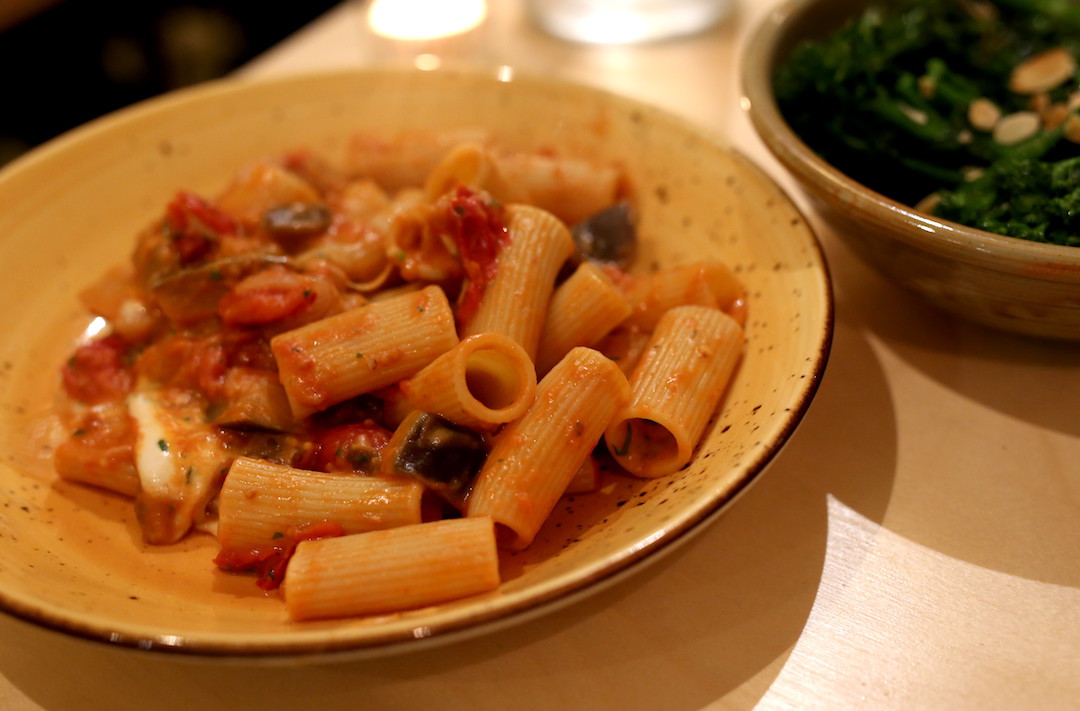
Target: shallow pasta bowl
(71,558)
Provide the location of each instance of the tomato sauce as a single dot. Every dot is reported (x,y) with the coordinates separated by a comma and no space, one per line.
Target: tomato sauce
(351,448)
(477,227)
(269,296)
(269,564)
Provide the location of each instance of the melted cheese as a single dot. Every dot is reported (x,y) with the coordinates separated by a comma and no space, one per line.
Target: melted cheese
(154,456)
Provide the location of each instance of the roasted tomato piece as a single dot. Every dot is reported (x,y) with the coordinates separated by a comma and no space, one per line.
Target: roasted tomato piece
(352,448)
(269,564)
(96,372)
(195,226)
(186,362)
(278,295)
(475,222)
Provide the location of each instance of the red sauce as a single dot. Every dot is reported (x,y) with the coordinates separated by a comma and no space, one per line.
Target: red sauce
(476,225)
(269,296)
(96,373)
(351,448)
(269,564)
(187,363)
(195,224)
(188,211)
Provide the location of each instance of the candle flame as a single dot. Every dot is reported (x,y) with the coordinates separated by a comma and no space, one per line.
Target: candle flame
(425,19)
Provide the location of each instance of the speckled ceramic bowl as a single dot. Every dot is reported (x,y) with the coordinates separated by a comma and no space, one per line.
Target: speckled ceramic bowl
(71,558)
(1003,282)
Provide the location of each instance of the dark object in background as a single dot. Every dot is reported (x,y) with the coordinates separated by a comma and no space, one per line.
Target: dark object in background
(80,59)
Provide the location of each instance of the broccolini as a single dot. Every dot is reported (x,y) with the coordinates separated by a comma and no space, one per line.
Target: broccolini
(887,99)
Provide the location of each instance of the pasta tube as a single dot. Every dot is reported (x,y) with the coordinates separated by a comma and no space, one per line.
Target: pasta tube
(466,164)
(706,283)
(263,185)
(483,382)
(261,502)
(570,187)
(675,387)
(515,302)
(406,158)
(583,309)
(102,452)
(395,569)
(370,347)
(535,458)
(421,253)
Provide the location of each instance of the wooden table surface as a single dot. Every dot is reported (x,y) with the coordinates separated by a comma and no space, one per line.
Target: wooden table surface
(916,544)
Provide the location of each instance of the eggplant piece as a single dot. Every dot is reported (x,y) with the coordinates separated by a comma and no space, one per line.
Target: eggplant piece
(441,455)
(192,294)
(609,236)
(295,221)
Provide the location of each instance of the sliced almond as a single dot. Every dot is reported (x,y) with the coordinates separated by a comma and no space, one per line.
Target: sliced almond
(1043,71)
(916,115)
(972,172)
(1016,127)
(1072,128)
(983,114)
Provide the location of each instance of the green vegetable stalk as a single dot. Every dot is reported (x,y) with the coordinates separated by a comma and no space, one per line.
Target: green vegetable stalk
(886,99)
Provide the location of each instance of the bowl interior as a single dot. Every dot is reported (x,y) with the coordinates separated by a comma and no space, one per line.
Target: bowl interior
(772,44)
(1005,282)
(71,558)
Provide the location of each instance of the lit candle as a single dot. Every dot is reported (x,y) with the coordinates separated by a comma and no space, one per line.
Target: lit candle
(428,33)
(425,19)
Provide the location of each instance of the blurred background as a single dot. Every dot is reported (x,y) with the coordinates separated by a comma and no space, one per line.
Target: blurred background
(65,62)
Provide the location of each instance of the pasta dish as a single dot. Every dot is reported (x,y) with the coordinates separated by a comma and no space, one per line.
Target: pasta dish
(368,378)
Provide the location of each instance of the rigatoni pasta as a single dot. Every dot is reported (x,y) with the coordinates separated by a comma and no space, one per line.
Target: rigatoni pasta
(333,369)
(364,349)
(466,164)
(536,457)
(516,301)
(484,381)
(570,188)
(261,502)
(675,388)
(378,572)
(583,309)
(704,283)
